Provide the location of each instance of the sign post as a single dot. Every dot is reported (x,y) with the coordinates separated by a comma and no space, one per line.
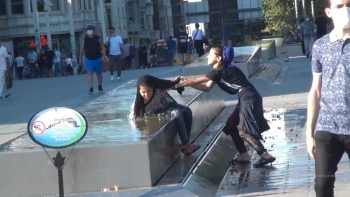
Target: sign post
(57,128)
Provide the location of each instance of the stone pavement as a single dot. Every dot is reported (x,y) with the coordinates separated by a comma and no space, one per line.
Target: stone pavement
(31,96)
(285,98)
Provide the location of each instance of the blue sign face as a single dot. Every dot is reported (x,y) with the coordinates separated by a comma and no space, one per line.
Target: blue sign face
(57,127)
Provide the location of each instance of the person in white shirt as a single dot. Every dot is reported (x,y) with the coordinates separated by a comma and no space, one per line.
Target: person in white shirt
(57,63)
(19,63)
(127,54)
(32,58)
(197,36)
(69,65)
(4,65)
(116,52)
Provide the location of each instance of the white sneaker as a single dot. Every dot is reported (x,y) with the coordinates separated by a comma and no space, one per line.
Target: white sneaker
(118,78)
(112,78)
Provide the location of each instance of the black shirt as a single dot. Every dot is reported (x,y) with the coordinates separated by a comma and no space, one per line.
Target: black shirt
(232,75)
(92,47)
(321,23)
(49,56)
(182,38)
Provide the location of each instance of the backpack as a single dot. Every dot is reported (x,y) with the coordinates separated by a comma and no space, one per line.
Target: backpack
(183,40)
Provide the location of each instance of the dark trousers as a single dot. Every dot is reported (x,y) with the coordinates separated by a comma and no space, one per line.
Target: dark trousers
(303,46)
(20,72)
(239,135)
(329,151)
(183,120)
(128,62)
(115,60)
(198,44)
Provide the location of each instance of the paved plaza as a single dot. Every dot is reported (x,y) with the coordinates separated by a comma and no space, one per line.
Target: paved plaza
(284,86)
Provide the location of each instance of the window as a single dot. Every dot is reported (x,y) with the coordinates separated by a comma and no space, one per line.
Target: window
(17,6)
(143,20)
(2,7)
(55,5)
(130,11)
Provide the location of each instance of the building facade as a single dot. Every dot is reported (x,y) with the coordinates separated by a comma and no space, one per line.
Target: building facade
(18,31)
(224,21)
(115,13)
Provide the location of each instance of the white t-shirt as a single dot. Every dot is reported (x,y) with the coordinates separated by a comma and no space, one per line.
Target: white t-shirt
(69,61)
(127,49)
(115,43)
(57,57)
(19,61)
(3,56)
(199,35)
(32,57)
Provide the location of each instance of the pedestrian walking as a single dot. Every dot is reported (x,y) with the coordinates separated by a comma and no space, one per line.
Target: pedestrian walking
(328,124)
(91,48)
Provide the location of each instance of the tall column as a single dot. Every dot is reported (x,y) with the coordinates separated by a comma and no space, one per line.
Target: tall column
(36,25)
(304,8)
(92,5)
(62,6)
(115,16)
(72,33)
(26,7)
(103,21)
(296,11)
(8,7)
(47,22)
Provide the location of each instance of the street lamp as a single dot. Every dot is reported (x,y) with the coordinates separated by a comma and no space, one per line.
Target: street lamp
(166,7)
(48,6)
(150,26)
(36,24)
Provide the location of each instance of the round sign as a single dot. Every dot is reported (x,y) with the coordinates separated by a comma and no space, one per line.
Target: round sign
(57,127)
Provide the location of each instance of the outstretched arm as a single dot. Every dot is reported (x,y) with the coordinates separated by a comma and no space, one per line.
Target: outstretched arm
(193,82)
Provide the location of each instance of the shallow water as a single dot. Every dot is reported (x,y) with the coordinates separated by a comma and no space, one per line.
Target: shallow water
(108,123)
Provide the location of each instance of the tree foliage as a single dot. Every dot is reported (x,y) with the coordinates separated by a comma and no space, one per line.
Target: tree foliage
(278,14)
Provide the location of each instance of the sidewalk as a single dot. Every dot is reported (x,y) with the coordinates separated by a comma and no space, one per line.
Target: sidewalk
(285,98)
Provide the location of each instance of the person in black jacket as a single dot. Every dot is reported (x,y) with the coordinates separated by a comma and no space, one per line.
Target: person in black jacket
(247,122)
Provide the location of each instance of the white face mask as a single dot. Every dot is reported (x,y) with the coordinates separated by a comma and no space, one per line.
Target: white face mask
(341,17)
(89,32)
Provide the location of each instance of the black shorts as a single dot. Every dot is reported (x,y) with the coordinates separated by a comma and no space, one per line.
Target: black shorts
(183,49)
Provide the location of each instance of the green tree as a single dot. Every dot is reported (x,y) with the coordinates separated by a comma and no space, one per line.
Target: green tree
(278,14)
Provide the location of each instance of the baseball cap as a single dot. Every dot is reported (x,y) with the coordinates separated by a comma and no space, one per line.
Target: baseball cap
(90,27)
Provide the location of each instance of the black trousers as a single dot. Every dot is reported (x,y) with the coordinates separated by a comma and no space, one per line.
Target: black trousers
(303,46)
(329,151)
(20,72)
(240,135)
(198,44)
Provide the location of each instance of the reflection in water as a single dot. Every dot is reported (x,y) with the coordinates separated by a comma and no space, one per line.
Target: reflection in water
(108,122)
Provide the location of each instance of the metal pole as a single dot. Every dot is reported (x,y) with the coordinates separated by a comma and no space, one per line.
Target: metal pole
(72,34)
(296,11)
(36,25)
(59,164)
(313,10)
(304,8)
(167,20)
(103,21)
(222,25)
(47,21)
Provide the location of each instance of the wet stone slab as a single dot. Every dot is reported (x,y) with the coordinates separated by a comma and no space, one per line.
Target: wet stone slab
(108,122)
(293,172)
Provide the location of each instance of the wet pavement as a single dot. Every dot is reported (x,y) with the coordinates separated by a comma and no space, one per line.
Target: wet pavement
(292,174)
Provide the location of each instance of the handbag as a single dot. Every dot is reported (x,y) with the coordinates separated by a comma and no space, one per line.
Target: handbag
(8,79)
